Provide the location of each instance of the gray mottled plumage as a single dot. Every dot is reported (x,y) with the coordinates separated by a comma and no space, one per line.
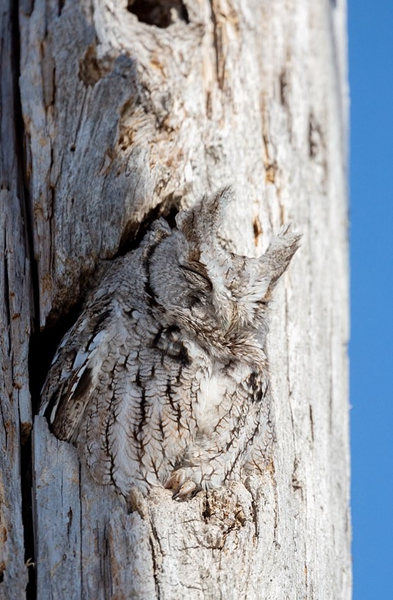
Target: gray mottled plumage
(163,379)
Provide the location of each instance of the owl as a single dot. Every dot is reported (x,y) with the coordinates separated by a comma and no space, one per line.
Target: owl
(164,378)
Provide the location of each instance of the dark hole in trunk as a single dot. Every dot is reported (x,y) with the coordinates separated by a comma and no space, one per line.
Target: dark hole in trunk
(161,13)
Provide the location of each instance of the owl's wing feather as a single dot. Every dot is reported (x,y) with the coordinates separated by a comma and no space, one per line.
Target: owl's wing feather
(107,392)
(69,382)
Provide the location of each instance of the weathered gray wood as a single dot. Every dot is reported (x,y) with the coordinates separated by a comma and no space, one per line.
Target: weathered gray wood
(58,536)
(13,390)
(86,547)
(121,117)
(15,307)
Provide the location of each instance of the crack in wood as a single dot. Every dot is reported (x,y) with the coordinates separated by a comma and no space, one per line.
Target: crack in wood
(27,228)
(154,541)
(218,47)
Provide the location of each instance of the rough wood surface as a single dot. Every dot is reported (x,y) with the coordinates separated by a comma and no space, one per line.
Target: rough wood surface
(123,119)
(15,401)
(15,307)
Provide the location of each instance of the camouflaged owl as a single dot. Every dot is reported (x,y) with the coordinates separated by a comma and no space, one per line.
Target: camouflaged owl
(164,379)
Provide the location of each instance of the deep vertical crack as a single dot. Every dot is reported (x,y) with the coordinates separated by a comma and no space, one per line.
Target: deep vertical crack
(23,194)
(216,42)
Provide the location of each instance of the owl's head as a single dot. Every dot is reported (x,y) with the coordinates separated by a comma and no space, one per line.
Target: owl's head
(219,297)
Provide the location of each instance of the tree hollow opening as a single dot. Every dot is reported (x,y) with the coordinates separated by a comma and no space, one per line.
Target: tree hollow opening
(161,13)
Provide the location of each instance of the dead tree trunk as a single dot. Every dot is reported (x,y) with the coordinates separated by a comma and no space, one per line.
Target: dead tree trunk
(113,113)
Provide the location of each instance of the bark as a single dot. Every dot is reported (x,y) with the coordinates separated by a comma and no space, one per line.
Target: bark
(15,313)
(111,115)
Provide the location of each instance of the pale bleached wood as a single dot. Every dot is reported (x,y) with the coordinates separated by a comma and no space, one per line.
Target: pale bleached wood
(122,117)
(87,547)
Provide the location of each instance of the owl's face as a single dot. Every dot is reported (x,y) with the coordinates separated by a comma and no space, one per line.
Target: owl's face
(213,293)
(189,298)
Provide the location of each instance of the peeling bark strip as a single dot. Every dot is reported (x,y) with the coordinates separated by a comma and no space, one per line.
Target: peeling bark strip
(114,112)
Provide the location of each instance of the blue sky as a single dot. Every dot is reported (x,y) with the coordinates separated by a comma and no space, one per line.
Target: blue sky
(371,349)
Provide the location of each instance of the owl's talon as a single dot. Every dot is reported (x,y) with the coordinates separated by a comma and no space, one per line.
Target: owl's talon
(174,482)
(185,491)
(182,487)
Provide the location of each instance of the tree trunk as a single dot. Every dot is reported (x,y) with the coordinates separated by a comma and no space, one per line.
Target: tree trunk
(111,115)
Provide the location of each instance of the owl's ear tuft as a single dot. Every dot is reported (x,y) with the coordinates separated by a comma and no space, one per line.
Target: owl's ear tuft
(202,220)
(279,254)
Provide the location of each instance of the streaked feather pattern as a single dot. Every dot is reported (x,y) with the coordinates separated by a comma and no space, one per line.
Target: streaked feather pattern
(163,379)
